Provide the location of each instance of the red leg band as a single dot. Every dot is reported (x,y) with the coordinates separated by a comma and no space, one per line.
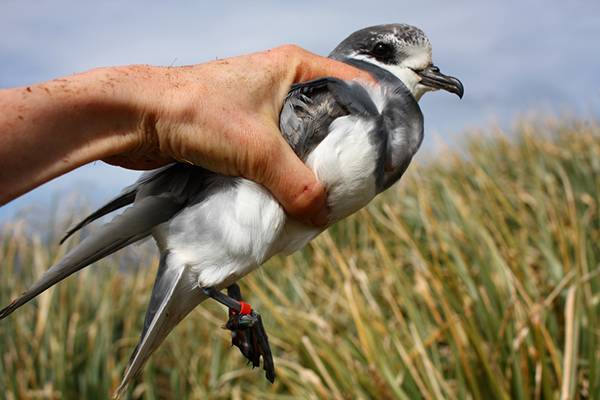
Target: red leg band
(245,308)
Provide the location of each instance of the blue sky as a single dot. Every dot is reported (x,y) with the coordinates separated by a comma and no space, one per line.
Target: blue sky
(514,58)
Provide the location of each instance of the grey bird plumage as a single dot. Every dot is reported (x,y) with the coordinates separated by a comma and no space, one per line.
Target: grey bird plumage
(211,229)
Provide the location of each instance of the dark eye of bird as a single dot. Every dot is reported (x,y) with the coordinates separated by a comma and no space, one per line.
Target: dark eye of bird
(382,51)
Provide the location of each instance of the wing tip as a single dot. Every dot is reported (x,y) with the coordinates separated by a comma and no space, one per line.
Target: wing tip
(120,390)
(131,372)
(6,311)
(67,235)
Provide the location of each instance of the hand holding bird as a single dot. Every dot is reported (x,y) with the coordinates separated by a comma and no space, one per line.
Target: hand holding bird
(356,136)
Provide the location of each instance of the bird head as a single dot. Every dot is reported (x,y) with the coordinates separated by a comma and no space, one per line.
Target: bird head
(402,50)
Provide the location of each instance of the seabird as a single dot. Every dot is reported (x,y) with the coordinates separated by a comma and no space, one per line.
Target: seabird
(358,138)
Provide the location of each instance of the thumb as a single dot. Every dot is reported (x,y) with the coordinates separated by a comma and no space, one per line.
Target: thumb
(295,186)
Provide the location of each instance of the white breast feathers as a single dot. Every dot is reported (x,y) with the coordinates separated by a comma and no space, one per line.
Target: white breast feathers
(345,163)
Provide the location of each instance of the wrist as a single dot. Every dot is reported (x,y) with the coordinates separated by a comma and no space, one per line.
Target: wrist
(51,128)
(147,100)
(119,102)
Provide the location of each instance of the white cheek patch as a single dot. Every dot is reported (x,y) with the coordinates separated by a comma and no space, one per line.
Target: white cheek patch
(405,74)
(418,59)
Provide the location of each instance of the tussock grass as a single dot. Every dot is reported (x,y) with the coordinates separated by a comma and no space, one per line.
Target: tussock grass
(477,277)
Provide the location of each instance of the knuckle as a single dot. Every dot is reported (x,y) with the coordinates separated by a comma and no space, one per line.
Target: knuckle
(291,52)
(290,48)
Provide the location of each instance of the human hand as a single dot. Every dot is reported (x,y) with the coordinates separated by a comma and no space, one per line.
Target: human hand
(224,116)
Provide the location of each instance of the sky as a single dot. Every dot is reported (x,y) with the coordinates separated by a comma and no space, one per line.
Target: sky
(515,58)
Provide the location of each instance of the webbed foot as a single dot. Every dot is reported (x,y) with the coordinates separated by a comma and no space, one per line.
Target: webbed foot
(247,331)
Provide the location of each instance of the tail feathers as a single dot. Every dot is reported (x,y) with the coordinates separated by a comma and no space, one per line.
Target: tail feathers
(134,224)
(173,297)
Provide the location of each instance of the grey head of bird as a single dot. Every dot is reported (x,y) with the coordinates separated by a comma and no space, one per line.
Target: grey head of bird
(402,50)
(399,57)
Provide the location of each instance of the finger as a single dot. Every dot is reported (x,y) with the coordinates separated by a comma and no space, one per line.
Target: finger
(296,187)
(313,66)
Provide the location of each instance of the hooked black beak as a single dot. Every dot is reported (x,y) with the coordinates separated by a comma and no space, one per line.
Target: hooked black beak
(433,78)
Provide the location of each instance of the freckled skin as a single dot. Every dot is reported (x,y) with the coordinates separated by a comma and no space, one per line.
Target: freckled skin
(222,115)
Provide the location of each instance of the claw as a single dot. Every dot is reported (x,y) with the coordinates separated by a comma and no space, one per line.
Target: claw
(247,330)
(243,321)
(248,334)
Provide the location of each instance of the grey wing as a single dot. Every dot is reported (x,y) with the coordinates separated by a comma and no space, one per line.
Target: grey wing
(402,115)
(157,200)
(311,107)
(173,297)
(125,198)
(134,224)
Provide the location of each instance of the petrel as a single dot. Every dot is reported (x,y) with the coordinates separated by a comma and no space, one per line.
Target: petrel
(211,230)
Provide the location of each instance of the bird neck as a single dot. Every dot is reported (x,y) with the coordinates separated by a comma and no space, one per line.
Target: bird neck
(382,75)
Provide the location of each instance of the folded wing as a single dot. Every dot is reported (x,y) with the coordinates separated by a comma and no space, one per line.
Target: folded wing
(134,224)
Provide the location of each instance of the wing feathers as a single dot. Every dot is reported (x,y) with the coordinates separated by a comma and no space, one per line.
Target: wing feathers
(119,202)
(134,224)
(173,297)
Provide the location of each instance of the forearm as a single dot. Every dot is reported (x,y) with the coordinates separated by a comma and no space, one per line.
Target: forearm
(51,128)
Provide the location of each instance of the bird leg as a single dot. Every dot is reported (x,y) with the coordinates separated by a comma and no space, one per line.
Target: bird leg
(247,330)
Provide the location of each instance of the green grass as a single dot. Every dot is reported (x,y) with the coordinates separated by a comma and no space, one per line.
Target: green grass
(478,276)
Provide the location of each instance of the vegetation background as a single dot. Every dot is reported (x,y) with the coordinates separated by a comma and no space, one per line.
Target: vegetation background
(476,277)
